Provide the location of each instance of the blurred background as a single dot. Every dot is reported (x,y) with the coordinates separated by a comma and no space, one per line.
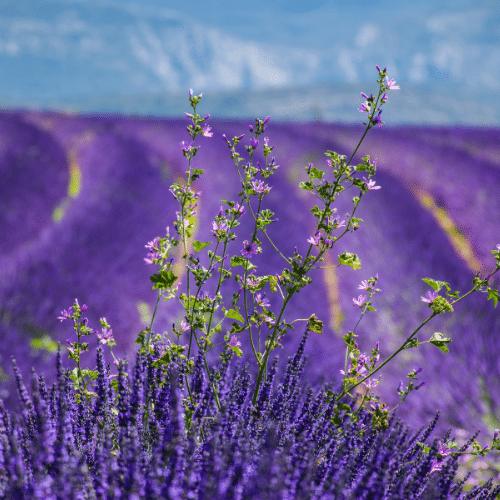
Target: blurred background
(292,59)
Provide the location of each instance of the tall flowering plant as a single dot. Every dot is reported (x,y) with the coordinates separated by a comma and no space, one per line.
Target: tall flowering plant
(249,310)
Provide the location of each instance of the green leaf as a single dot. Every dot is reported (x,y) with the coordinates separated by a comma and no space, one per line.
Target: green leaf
(164,279)
(315,325)
(437,285)
(350,259)
(233,314)
(493,295)
(315,173)
(344,407)
(411,343)
(198,245)
(164,360)
(306,185)
(236,260)
(440,342)
(237,351)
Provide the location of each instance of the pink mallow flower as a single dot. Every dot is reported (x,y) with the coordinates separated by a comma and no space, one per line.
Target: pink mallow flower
(234,342)
(429,297)
(106,336)
(360,301)
(249,249)
(371,184)
(314,240)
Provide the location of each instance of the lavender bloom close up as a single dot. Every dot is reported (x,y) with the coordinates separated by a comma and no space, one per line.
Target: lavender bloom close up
(287,445)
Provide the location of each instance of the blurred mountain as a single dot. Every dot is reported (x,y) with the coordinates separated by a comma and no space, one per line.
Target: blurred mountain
(272,57)
(330,102)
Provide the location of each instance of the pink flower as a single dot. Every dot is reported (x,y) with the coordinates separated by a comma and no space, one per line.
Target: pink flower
(65,314)
(390,84)
(106,337)
(314,240)
(371,184)
(234,342)
(206,131)
(360,301)
(430,297)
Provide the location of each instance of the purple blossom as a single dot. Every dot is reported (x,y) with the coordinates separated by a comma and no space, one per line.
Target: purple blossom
(261,301)
(234,342)
(259,187)
(240,210)
(65,314)
(153,254)
(254,142)
(365,108)
(429,297)
(186,146)
(377,119)
(314,240)
(219,227)
(206,131)
(106,337)
(371,184)
(390,84)
(249,249)
(360,301)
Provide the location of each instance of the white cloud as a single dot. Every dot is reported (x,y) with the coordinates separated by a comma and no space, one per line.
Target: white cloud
(366,35)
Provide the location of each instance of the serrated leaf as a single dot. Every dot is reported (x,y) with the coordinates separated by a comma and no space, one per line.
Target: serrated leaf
(350,259)
(198,245)
(164,279)
(436,284)
(236,260)
(440,342)
(315,325)
(493,295)
(233,314)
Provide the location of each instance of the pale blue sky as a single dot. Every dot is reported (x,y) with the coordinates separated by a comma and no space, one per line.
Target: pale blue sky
(97,54)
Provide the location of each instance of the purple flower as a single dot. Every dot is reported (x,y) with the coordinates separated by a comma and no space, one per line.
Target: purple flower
(249,249)
(390,84)
(360,301)
(218,227)
(430,297)
(239,209)
(234,342)
(436,466)
(185,146)
(337,222)
(254,142)
(259,187)
(314,240)
(65,314)
(365,108)
(377,119)
(365,285)
(153,254)
(262,301)
(106,337)
(371,184)
(70,348)
(206,131)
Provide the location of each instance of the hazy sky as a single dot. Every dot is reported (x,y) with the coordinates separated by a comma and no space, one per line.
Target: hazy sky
(68,49)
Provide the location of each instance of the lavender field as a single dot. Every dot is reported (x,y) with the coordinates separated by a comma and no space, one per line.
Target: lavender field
(80,196)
